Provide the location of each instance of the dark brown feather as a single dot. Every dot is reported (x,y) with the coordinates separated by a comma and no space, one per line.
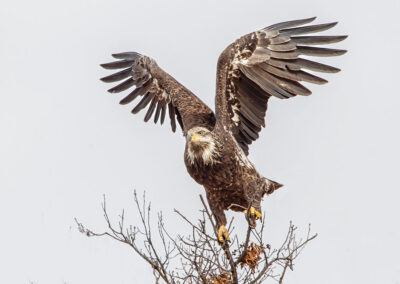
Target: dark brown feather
(163,111)
(245,85)
(315,40)
(289,24)
(307,29)
(117,64)
(139,91)
(171,110)
(130,55)
(288,46)
(256,75)
(291,86)
(275,40)
(319,51)
(285,55)
(150,111)
(246,112)
(293,75)
(269,62)
(143,103)
(117,76)
(251,125)
(159,88)
(252,103)
(244,137)
(252,134)
(158,111)
(299,63)
(123,86)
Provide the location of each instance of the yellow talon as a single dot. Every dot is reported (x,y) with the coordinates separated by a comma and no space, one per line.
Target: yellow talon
(254,213)
(223,234)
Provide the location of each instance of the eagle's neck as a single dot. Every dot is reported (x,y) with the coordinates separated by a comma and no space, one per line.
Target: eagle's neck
(203,153)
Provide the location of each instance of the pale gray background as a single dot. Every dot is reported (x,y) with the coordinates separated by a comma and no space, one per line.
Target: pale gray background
(65,142)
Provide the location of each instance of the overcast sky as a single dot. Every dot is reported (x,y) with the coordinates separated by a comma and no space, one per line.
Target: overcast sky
(65,141)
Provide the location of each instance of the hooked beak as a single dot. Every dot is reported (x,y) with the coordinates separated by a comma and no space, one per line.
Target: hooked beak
(192,138)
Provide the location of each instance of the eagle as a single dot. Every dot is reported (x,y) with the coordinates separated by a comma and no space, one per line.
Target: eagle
(257,66)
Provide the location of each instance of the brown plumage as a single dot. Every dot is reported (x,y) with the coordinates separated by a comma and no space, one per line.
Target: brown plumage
(255,67)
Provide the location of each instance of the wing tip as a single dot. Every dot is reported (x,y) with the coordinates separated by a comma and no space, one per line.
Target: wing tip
(129,55)
(123,102)
(134,110)
(104,65)
(341,51)
(103,79)
(106,79)
(307,92)
(330,25)
(340,38)
(112,90)
(107,65)
(307,20)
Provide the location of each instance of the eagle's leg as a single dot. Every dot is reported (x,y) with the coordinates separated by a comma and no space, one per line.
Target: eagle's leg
(216,207)
(254,192)
(219,214)
(223,234)
(252,215)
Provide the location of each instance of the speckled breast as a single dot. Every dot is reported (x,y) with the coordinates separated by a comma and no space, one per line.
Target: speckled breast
(220,175)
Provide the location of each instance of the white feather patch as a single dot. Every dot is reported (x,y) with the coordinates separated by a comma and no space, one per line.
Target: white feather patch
(241,157)
(235,118)
(209,154)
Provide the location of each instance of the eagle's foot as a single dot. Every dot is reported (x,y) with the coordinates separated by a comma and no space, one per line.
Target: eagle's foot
(223,234)
(253,215)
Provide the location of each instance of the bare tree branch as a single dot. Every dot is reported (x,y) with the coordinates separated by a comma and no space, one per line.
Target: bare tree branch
(198,257)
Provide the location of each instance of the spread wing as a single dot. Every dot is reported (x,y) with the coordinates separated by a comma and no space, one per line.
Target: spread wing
(158,91)
(267,63)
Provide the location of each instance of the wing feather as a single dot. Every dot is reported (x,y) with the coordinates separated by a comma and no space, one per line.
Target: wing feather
(117,76)
(143,103)
(289,24)
(139,91)
(268,63)
(286,46)
(319,51)
(171,110)
(292,75)
(151,109)
(157,89)
(316,40)
(163,111)
(117,64)
(299,63)
(158,111)
(122,86)
(307,29)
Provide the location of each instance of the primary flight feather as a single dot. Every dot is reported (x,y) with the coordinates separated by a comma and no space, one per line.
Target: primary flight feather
(255,67)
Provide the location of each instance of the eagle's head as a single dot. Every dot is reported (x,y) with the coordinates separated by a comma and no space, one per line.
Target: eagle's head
(201,146)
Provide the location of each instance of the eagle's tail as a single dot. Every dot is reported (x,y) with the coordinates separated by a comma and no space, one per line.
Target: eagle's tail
(271,186)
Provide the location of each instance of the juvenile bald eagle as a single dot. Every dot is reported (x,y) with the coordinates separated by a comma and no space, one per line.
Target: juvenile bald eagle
(255,67)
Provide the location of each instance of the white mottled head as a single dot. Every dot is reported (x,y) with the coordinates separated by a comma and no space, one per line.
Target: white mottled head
(201,146)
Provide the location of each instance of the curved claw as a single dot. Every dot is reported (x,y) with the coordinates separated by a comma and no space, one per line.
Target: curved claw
(253,214)
(223,234)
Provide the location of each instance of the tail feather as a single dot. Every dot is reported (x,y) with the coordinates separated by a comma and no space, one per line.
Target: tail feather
(272,186)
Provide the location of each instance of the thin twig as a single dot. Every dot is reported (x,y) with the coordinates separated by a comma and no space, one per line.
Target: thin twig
(198,257)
